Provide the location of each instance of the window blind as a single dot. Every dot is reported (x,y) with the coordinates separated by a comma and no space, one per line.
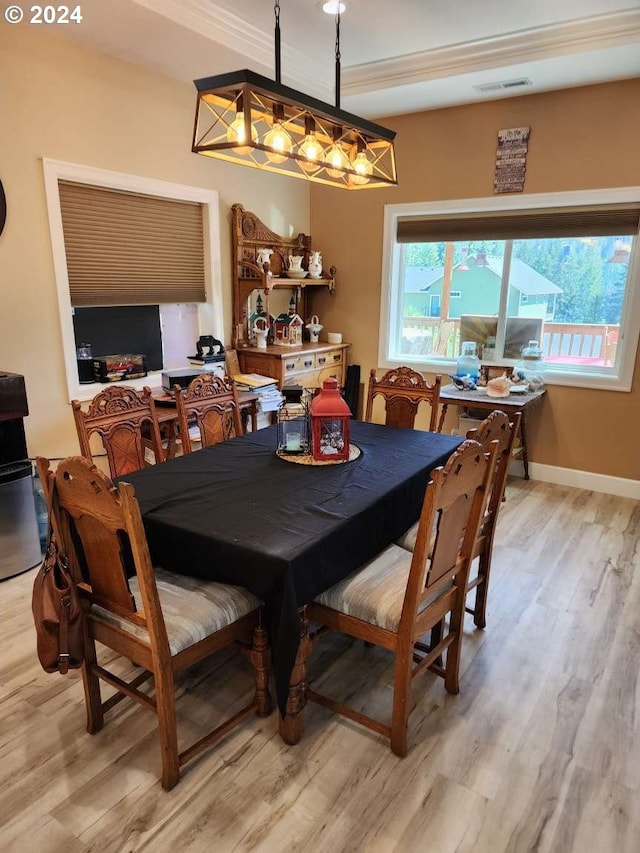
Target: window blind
(595,221)
(124,248)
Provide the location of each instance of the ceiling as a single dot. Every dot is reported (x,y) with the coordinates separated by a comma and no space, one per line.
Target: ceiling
(397,56)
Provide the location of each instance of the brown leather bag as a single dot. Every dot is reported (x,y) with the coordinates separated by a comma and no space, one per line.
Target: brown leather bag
(57,609)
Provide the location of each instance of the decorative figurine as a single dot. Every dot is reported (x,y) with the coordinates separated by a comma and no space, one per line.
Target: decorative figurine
(464,383)
(288,327)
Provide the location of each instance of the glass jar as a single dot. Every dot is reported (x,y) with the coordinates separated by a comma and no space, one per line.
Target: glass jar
(489,349)
(532,365)
(468,363)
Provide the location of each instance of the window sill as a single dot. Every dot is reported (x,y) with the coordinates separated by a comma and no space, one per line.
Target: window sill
(594,379)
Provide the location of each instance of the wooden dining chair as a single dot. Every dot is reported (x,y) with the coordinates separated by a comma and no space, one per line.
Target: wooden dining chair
(399,596)
(403,389)
(164,622)
(232,363)
(495,428)
(210,402)
(126,421)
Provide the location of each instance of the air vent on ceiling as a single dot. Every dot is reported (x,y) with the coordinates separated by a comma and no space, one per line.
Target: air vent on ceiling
(503,84)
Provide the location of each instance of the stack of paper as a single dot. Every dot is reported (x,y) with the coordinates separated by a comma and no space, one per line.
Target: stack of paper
(253,381)
(265,387)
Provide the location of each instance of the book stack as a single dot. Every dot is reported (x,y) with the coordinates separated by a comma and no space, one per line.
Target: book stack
(265,387)
(210,363)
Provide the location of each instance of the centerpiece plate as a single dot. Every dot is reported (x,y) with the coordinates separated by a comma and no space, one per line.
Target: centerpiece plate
(307,458)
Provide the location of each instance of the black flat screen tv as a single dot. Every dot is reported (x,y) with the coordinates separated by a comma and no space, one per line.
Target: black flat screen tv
(121,329)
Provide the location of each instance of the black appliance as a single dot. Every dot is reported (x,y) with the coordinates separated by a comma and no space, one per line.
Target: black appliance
(19,541)
(84,356)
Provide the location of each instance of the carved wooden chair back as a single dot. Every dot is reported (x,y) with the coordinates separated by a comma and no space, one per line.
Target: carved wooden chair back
(403,389)
(160,621)
(495,428)
(212,404)
(120,416)
(431,583)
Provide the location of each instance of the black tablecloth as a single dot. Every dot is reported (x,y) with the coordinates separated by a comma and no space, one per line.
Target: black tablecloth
(236,513)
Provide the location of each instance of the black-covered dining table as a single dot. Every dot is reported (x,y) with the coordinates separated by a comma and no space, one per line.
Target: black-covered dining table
(238,514)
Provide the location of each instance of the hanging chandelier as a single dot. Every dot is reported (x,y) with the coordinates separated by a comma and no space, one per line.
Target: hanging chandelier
(249,119)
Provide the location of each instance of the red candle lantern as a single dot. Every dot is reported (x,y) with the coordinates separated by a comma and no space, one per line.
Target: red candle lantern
(330,417)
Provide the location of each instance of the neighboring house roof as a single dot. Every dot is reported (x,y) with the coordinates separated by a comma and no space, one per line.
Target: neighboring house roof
(421,278)
(523,277)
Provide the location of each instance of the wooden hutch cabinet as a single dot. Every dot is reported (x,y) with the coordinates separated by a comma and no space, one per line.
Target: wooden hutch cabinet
(263,291)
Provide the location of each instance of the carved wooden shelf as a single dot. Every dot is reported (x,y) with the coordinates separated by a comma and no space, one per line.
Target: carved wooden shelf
(309,364)
(250,235)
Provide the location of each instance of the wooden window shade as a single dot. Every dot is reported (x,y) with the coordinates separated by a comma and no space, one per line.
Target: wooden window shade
(128,249)
(595,221)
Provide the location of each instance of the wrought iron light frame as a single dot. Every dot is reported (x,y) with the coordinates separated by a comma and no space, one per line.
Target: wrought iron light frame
(237,111)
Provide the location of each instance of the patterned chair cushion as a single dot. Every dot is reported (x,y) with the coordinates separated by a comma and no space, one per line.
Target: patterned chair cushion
(193,609)
(375,592)
(408,538)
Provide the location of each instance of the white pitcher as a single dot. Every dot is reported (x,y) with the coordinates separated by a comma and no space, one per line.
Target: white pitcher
(263,256)
(295,263)
(315,265)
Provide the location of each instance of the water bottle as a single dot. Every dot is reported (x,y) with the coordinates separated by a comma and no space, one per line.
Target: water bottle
(42,515)
(468,363)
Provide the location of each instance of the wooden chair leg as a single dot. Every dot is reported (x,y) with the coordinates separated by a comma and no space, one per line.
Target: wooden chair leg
(91,684)
(452,669)
(260,658)
(482,590)
(166,710)
(401,691)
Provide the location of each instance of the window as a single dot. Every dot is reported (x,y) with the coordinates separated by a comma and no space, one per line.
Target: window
(561,269)
(136,277)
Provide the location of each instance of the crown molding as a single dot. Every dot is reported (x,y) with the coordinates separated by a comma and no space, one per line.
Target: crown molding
(224,27)
(570,37)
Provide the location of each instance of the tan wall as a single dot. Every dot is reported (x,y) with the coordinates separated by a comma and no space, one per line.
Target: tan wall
(64,102)
(580,139)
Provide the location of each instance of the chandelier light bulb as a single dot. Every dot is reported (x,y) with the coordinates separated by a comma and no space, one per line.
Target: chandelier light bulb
(332,7)
(280,142)
(311,150)
(336,161)
(237,133)
(363,169)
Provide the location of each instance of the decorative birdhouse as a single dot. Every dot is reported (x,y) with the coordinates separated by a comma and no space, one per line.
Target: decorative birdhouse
(293,423)
(288,327)
(259,318)
(330,419)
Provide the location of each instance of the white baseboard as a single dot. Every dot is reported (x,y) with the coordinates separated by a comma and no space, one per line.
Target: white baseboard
(578,479)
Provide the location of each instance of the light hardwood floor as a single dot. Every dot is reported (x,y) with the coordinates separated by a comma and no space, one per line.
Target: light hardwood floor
(539,751)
